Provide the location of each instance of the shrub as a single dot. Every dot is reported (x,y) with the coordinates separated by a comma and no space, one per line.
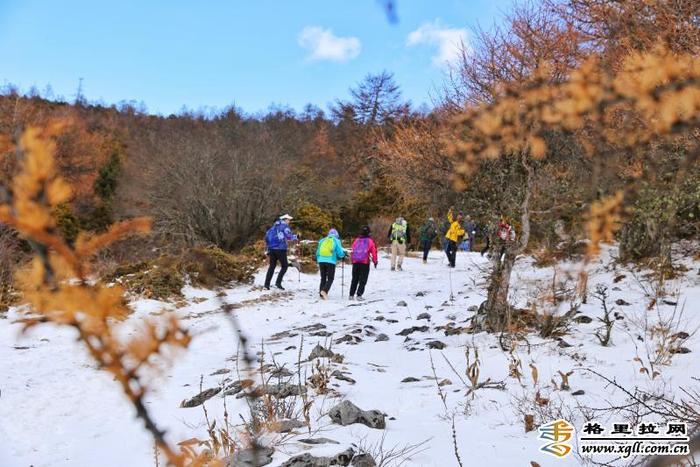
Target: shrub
(313,222)
(213,267)
(67,222)
(160,281)
(105,184)
(164,277)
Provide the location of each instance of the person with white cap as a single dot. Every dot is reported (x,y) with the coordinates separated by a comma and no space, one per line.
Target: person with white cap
(276,243)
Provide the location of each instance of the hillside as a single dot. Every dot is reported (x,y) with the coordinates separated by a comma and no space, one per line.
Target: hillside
(395,356)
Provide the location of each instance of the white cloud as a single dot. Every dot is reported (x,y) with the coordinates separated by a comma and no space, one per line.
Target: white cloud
(322,44)
(447,41)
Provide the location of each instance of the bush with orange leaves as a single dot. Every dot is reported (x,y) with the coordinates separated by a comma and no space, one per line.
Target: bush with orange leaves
(59,288)
(655,93)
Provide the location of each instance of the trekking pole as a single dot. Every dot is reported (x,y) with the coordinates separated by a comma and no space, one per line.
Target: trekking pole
(452,296)
(342,278)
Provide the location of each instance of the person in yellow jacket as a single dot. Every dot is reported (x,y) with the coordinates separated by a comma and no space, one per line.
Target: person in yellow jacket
(453,235)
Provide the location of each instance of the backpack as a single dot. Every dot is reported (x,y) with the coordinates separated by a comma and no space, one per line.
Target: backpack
(327,247)
(398,232)
(271,236)
(360,251)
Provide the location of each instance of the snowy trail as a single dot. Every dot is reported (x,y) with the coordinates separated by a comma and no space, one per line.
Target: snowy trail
(56,409)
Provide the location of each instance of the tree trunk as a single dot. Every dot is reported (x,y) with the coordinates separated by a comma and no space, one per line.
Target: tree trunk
(496,309)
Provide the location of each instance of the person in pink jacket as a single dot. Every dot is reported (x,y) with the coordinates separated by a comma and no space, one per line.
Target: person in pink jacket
(363,250)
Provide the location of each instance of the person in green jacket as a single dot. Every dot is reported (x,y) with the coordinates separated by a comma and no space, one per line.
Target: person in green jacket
(327,254)
(428,232)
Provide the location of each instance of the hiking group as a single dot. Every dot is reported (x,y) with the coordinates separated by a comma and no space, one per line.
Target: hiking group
(457,232)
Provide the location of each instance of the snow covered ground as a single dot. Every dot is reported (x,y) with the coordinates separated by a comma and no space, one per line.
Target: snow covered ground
(57,409)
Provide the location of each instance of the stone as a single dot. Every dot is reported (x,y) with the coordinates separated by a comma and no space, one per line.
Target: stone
(381,338)
(315,441)
(392,321)
(424,316)
(401,303)
(413,329)
(250,458)
(621,302)
(287,425)
(680,350)
(363,460)
(200,398)
(236,387)
(347,413)
(312,327)
(337,374)
(280,391)
(379,318)
(320,352)
(445,382)
(473,308)
(580,392)
(307,460)
(222,371)
(349,339)
(436,345)
(563,344)
(410,379)
(583,319)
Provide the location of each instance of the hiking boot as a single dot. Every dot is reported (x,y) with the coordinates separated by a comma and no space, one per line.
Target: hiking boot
(399,268)
(425,261)
(324,295)
(267,287)
(393,268)
(351,297)
(360,298)
(279,286)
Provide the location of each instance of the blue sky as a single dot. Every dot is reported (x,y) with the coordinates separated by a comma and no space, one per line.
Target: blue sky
(214,53)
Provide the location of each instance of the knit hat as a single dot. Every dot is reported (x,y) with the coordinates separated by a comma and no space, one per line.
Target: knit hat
(365,231)
(333,233)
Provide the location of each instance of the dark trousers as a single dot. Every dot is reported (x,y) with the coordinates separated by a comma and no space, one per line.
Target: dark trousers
(360,274)
(451,252)
(487,247)
(426,248)
(327,276)
(276,255)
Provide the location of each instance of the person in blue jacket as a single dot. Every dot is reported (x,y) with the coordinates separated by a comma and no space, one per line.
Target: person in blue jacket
(276,240)
(327,254)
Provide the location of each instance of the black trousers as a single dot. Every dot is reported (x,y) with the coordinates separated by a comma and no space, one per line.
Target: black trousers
(276,255)
(451,252)
(327,276)
(426,248)
(360,274)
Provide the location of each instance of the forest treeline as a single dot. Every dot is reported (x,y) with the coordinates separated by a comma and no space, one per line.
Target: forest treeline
(221,178)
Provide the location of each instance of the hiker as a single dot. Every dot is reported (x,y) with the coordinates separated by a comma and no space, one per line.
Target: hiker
(485,233)
(453,235)
(428,232)
(470,228)
(276,240)
(505,234)
(327,254)
(399,236)
(444,227)
(363,250)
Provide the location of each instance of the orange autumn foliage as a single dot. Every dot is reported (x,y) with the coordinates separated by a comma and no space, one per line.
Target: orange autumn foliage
(58,285)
